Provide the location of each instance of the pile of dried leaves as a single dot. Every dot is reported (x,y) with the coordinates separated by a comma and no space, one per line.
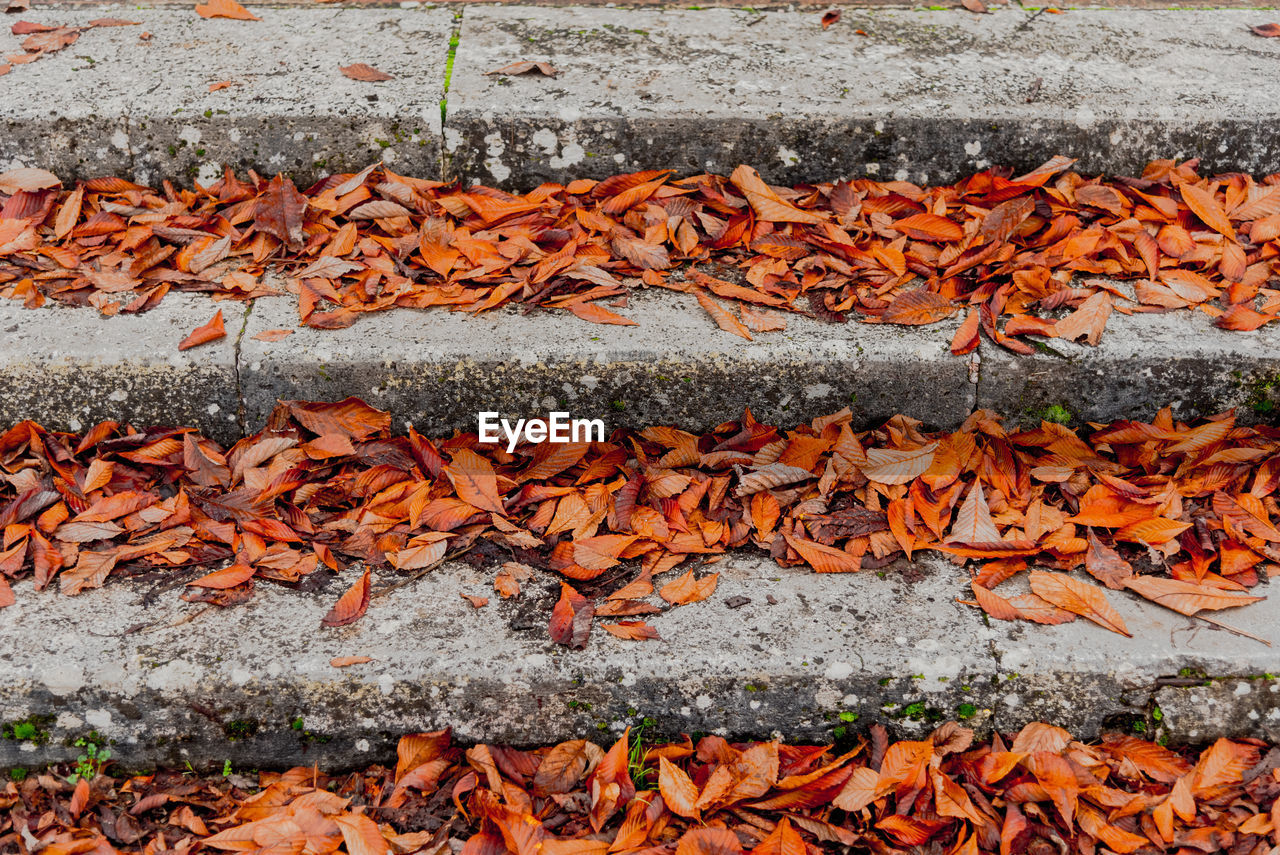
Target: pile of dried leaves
(1040,793)
(1009,252)
(1194,506)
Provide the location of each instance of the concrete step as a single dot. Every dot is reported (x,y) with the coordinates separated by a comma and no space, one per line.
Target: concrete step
(169,682)
(927,94)
(70,368)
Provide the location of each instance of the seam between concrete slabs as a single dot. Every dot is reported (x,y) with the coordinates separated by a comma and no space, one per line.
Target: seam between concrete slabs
(455,41)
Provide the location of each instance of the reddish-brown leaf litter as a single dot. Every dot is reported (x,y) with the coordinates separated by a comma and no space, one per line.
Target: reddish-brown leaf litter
(1051,253)
(1181,514)
(1037,792)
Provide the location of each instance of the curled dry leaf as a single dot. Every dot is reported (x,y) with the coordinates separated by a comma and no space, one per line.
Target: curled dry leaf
(1269,30)
(830,17)
(347,661)
(524,67)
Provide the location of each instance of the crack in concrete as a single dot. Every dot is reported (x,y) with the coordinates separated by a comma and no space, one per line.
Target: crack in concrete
(235,364)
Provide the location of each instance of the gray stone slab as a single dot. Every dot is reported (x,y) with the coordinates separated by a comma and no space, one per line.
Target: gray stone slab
(437,369)
(170,682)
(70,368)
(114,103)
(1143,362)
(1094,678)
(924,95)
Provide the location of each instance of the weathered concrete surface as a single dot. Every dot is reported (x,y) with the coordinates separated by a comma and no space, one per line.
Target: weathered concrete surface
(114,103)
(924,96)
(1143,362)
(437,369)
(169,682)
(70,368)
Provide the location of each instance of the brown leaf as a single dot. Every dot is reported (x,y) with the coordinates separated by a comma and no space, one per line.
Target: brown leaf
(1267,31)
(211,331)
(830,17)
(571,618)
(1105,564)
(1089,320)
(347,661)
(351,606)
(279,211)
(364,73)
(975,6)
(524,67)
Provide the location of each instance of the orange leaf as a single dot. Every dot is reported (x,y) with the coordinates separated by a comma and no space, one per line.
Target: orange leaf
(678,791)
(351,606)
(994,604)
(1184,597)
(211,331)
(1089,320)
(602,551)
(225,9)
(571,618)
(475,481)
(687,589)
(1078,597)
(1205,206)
(598,314)
(918,307)
(783,840)
(228,577)
(929,227)
(822,558)
(766,202)
(898,466)
(722,316)
(361,834)
(631,630)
